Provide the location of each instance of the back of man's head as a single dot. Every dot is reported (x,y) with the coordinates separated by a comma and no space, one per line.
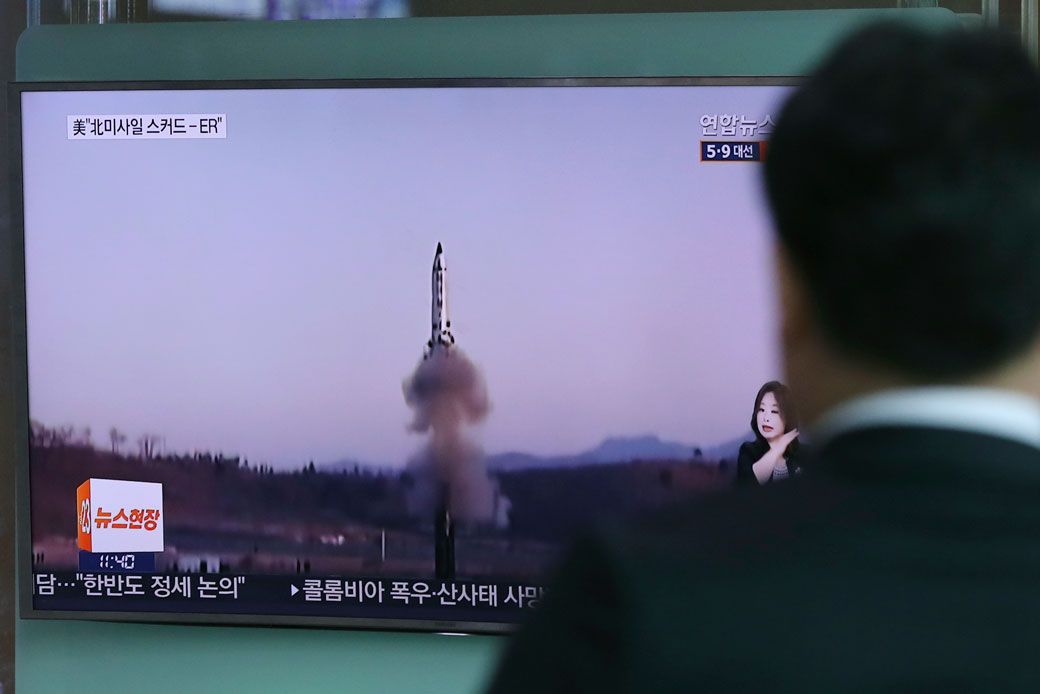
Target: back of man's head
(904,178)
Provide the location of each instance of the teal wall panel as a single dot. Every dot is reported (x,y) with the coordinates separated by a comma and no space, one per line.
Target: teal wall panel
(96,657)
(737,43)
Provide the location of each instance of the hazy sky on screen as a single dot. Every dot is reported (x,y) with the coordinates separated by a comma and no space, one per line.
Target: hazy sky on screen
(267,294)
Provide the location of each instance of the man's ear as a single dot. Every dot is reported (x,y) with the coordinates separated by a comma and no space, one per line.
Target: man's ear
(804,356)
(796,324)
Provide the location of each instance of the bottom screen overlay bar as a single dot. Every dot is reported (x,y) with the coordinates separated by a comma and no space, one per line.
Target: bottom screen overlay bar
(306,596)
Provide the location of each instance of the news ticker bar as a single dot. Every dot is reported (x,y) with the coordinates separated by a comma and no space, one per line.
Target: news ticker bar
(292,594)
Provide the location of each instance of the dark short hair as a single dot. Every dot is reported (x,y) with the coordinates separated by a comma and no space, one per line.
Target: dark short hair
(787,410)
(904,179)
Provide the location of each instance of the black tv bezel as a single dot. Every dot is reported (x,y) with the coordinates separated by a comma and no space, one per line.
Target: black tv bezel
(18,330)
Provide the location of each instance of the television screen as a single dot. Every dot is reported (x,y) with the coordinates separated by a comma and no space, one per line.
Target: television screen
(371,353)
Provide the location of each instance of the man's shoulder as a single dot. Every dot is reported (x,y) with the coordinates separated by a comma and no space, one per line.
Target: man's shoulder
(855,499)
(740,525)
(921,457)
(820,563)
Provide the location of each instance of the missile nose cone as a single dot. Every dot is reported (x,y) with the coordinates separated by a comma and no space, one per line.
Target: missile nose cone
(439,249)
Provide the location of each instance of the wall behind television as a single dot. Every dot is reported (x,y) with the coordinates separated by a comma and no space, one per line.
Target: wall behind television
(99,657)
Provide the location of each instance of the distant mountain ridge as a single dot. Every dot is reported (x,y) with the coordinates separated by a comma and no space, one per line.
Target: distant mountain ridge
(619,449)
(614,449)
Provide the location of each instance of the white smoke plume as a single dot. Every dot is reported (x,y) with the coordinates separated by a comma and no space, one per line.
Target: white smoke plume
(448,395)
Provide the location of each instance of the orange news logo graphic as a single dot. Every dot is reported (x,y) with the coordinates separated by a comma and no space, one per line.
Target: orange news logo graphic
(119,516)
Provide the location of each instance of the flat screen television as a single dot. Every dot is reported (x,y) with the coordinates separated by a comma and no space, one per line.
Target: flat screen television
(370,353)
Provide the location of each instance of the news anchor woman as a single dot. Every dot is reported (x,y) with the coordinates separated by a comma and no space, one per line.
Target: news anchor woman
(773,455)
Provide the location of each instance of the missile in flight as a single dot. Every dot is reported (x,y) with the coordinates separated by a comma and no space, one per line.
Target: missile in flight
(440,333)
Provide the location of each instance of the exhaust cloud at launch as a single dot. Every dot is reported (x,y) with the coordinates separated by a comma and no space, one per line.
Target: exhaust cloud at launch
(448,396)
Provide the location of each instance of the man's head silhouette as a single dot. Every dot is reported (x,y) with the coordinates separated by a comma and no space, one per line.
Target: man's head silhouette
(904,180)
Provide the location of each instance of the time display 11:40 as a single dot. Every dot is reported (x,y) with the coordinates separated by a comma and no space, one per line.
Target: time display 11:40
(117,562)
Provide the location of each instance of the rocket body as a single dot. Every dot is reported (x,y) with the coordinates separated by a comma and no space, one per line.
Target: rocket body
(440,332)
